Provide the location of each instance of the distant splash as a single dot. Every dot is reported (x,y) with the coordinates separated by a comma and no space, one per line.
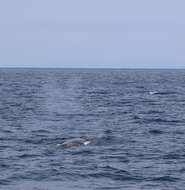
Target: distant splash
(161,93)
(153,92)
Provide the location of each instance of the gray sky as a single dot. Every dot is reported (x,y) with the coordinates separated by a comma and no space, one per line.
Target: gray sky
(92,33)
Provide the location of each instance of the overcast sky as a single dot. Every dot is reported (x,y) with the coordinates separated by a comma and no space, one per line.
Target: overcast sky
(92,33)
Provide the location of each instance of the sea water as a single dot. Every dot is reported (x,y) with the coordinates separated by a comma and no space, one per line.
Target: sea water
(135,120)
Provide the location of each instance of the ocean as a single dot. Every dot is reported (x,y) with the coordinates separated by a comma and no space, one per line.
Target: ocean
(133,121)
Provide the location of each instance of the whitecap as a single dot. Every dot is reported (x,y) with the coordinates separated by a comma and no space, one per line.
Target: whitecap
(86,143)
(153,92)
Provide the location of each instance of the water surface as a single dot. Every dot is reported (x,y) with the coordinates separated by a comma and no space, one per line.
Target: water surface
(136,119)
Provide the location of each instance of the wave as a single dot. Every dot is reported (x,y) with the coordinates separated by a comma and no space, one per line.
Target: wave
(155,132)
(165,179)
(160,120)
(23,156)
(173,156)
(113,176)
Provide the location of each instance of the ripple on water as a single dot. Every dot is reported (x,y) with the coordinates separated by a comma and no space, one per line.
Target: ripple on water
(165,179)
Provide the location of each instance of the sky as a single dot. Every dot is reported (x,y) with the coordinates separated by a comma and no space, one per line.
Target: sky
(92,33)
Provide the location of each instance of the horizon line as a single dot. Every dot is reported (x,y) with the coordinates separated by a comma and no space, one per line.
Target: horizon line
(126,68)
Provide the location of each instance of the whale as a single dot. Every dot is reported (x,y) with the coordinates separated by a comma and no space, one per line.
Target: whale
(76,142)
(85,140)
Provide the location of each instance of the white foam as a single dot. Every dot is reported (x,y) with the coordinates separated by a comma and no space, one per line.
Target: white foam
(153,92)
(86,143)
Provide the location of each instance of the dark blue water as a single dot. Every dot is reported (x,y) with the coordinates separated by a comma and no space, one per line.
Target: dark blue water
(134,118)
